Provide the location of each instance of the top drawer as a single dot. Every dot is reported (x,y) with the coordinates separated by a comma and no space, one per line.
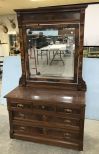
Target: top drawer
(44,107)
(19,104)
(68,110)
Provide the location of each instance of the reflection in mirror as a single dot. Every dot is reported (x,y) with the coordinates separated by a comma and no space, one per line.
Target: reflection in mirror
(51,52)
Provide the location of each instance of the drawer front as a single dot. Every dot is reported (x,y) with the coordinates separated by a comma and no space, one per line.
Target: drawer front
(46,132)
(63,135)
(43,107)
(20,104)
(68,110)
(66,121)
(28,130)
(27,116)
(62,121)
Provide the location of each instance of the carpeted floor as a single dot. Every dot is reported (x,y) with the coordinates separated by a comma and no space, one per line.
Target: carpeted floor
(9,146)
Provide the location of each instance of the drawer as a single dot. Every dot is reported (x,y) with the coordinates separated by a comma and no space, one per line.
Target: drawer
(68,110)
(63,135)
(26,116)
(47,132)
(27,130)
(72,122)
(20,104)
(61,121)
(43,107)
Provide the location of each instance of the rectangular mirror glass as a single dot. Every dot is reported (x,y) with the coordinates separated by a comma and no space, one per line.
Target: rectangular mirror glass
(51,51)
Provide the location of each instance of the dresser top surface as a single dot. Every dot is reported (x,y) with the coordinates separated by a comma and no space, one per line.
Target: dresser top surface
(49,95)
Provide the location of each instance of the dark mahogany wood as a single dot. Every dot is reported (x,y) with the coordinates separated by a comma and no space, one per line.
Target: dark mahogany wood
(47,116)
(49,110)
(70,14)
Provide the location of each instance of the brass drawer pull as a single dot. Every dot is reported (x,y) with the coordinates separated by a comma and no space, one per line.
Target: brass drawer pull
(21,115)
(67,135)
(68,110)
(44,131)
(22,128)
(43,107)
(67,121)
(20,105)
(44,117)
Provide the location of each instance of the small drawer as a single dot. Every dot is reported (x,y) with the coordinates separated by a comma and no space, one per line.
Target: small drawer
(29,116)
(43,107)
(66,121)
(68,110)
(20,129)
(21,105)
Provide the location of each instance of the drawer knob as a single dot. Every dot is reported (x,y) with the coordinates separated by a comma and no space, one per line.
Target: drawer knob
(67,135)
(44,131)
(44,117)
(68,110)
(20,105)
(21,115)
(43,107)
(67,121)
(22,128)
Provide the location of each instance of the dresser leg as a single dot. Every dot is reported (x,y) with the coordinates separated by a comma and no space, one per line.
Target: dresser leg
(81,147)
(11,134)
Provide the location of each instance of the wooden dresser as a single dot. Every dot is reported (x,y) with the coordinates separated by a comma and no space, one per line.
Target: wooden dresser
(50,108)
(46,116)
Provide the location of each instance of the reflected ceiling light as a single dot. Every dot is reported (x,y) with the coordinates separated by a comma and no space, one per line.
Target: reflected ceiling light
(67,97)
(35,97)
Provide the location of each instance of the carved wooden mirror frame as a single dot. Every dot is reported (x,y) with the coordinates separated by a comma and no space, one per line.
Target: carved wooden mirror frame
(71,15)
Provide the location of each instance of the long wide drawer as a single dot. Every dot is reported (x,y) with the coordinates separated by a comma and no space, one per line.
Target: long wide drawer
(58,120)
(64,109)
(60,134)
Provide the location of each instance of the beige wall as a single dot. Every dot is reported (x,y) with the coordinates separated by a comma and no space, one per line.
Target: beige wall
(91,35)
(4,37)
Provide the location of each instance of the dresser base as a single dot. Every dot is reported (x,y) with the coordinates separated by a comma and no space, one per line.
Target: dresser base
(47,117)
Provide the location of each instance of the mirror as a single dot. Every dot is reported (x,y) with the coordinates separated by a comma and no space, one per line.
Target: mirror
(51,51)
